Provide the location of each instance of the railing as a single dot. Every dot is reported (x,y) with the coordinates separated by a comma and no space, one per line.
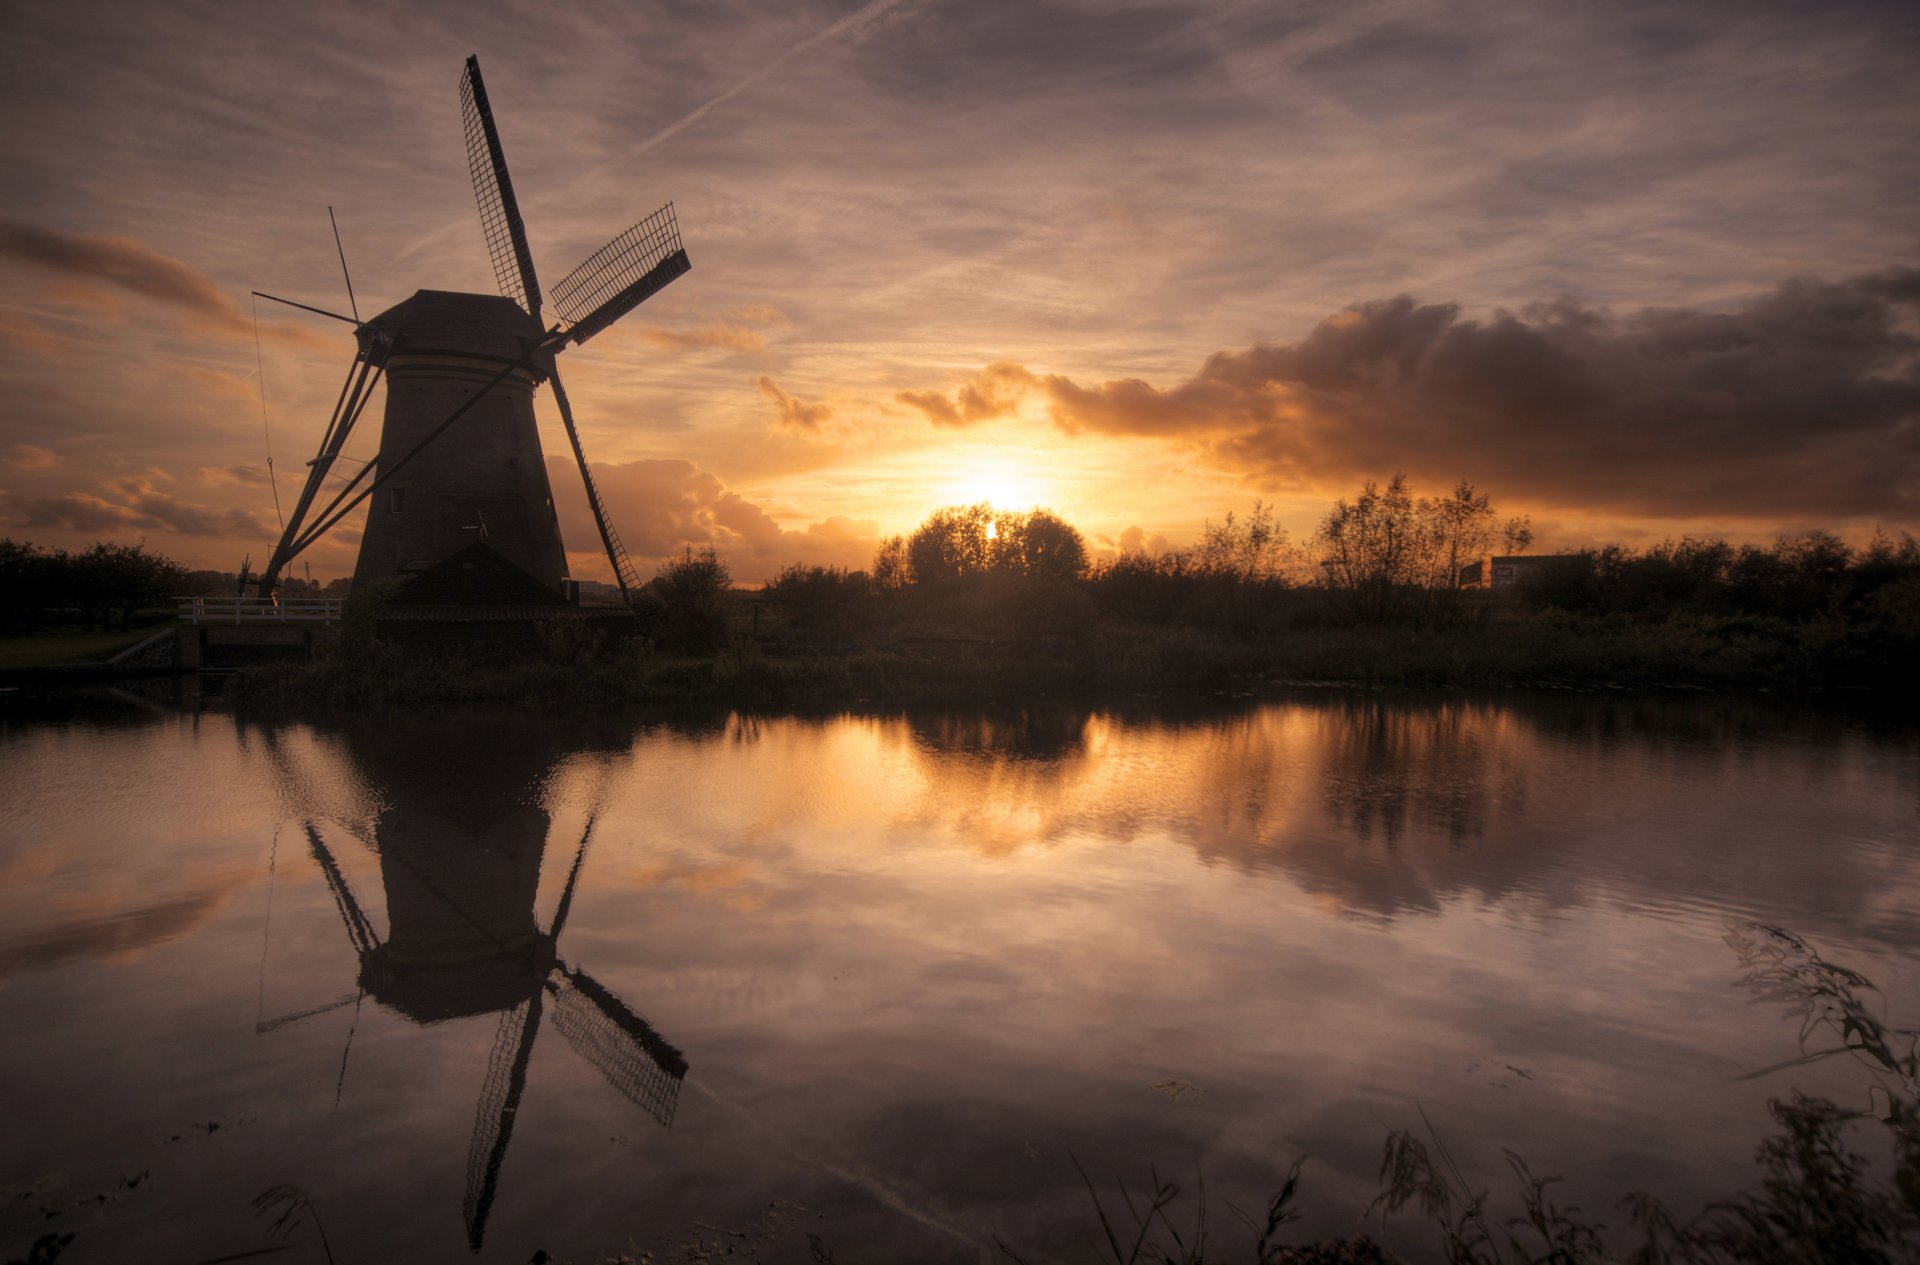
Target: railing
(244,610)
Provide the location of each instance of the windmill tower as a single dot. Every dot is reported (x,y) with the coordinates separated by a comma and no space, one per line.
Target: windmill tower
(459,471)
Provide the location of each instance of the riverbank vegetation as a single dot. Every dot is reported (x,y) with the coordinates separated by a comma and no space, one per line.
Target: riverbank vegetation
(1824,1197)
(982,604)
(986,605)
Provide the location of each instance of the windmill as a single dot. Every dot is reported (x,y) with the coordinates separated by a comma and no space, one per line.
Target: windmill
(460,843)
(473,361)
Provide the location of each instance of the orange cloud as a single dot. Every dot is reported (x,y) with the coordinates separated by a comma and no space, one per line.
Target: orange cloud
(240,474)
(215,383)
(791,412)
(27,457)
(663,507)
(718,334)
(996,391)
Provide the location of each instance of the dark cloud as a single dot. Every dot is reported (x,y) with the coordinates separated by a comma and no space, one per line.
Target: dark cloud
(124,263)
(134,503)
(663,507)
(1805,401)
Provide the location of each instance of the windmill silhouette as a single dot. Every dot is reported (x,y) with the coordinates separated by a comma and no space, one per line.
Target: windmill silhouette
(460,846)
(474,361)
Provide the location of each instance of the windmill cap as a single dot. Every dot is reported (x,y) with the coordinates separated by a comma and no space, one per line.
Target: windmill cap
(448,323)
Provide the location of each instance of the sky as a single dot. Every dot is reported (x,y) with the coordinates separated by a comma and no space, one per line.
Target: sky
(1635,270)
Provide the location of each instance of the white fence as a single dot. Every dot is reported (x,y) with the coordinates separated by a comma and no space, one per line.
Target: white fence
(242,610)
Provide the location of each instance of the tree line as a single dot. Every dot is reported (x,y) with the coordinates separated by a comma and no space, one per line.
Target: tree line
(40,587)
(1383,559)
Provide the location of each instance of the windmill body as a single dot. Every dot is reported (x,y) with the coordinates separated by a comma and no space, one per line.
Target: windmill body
(462,510)
(487,479)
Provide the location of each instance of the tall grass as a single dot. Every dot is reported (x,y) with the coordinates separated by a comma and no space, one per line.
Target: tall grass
(1819,1200)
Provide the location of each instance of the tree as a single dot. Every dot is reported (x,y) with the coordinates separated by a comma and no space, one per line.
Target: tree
(969,540)
(1040,544)
(693,588)
(821,601)
(105,578)
(1386,550)
(891,568)
(951,543)
(26,583)
(1249,549)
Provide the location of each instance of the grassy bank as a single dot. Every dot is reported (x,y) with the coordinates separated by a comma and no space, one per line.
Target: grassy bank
(1549,651)
(67,646)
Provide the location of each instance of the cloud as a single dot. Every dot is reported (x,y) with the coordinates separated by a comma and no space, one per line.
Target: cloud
(764,314)
(27,457)
(791,412)
(1135,540)
(938,408)
(718,334)
(23,333)
(996,391)
(1805,401)
(239,474)
(662,507)
(133,503)
(213,382)
(125,263)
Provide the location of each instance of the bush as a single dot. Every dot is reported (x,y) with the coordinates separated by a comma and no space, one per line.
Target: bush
(693,588)
(821,601)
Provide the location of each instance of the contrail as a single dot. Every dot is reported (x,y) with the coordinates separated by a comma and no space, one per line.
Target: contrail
(852,22)
(855,21)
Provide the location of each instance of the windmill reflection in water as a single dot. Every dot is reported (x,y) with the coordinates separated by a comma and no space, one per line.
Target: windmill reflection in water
(460,855)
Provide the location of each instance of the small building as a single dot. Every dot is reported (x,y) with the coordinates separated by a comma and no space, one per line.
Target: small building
(1502,571)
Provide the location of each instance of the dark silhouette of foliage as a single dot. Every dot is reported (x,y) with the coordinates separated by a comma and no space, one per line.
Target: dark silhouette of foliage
(1392,556)
(693,588)
(972,540)
(820,601)
(98,583)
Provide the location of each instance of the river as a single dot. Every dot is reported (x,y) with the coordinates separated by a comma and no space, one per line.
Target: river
(475,985)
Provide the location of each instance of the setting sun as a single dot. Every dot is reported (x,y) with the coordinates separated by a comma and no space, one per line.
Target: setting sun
(998,478)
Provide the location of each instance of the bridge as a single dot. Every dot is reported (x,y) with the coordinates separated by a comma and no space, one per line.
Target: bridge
(242,610)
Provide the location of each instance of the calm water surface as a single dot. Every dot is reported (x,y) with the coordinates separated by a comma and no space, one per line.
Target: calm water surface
(479,985)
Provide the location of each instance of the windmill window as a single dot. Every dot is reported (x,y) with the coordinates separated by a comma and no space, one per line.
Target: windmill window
(396,498)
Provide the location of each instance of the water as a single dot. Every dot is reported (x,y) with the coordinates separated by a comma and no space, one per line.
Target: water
(884,979)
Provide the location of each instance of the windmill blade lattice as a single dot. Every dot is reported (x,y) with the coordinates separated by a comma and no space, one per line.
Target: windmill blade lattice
(623,571)
(494,1115)
(622,275)
(625,1049)
(493,189)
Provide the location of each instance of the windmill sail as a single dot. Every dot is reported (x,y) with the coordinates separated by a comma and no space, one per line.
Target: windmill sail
(493,1116)
(493,190)
(621,275)
(623,571)
(634,1058)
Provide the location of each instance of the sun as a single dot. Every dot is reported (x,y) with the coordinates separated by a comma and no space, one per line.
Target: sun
(1000,479)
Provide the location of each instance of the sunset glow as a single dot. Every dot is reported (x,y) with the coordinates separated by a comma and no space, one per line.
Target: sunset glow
(1148,268)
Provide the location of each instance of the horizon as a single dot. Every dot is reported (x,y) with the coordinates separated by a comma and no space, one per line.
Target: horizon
(1639,275)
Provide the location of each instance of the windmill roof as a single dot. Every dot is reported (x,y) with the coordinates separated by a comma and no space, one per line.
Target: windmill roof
(451,323)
